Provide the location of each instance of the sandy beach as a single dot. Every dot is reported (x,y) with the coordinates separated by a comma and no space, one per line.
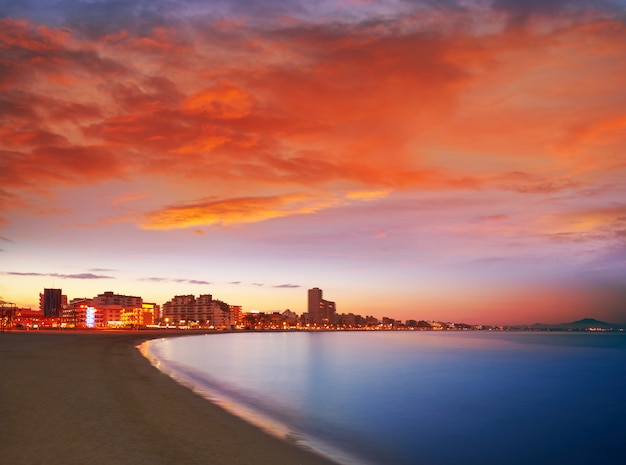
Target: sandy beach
(91,398)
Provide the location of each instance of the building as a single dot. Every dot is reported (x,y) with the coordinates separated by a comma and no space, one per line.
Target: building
(24,318)
(202,311)
(124,310)
(347,320)
(109,310)
(236,314)
(320,312)
(109,298)
(150,313)
(51,302)
(291,318)
(76,315)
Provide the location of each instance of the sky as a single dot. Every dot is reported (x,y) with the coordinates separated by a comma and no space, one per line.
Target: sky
(460,160)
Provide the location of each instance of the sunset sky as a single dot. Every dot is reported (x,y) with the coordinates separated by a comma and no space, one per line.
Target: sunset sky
(456,160)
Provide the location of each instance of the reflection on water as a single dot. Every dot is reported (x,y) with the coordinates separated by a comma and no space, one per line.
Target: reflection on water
(423,397)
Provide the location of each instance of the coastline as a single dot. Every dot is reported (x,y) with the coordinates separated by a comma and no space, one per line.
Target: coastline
(242,406)
(75,397)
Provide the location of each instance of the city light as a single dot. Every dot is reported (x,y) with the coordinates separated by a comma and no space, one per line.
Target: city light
(90,317)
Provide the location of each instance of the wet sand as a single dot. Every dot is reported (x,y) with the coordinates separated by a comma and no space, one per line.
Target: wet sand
(91,398)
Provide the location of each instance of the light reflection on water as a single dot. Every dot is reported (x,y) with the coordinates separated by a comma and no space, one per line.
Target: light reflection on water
(423,397)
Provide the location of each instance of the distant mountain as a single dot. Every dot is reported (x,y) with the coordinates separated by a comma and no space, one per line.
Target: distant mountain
(585,324)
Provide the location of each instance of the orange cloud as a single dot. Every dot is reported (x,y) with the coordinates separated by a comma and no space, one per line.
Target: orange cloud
(202,144)
(609,222)
(606,130)
(367,195)
(22,35)
(235,211)
(166,42)
(526,183)
(129,197)
(23,137)
(223,102)
(363,108)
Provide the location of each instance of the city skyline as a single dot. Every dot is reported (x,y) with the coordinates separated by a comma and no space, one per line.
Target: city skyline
(109,310)
(461,161)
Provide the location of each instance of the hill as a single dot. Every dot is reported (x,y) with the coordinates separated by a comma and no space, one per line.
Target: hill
(586,324)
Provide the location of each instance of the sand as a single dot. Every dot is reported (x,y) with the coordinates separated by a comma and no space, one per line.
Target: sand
(91,398)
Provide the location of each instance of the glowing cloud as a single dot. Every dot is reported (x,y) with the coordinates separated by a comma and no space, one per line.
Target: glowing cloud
(367,195)
(224,102)
(235,211)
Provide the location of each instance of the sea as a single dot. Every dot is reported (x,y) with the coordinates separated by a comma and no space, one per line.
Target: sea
(418,397)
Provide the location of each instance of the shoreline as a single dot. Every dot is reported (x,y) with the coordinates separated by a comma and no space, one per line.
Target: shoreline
(75,397)
(243,408)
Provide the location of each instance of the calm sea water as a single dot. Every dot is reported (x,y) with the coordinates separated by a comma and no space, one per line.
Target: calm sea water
(411,398)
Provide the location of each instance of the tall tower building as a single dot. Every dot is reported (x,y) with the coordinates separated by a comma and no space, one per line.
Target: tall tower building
(51,302)
(315,297)
(321,312)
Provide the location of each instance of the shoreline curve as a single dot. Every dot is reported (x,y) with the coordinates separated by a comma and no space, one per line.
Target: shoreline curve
(75,397)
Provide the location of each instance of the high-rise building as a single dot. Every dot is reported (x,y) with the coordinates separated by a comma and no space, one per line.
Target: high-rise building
(51,302)
(321,311)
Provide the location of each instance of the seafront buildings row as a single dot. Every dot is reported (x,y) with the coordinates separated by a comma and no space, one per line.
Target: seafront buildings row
(110,310)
